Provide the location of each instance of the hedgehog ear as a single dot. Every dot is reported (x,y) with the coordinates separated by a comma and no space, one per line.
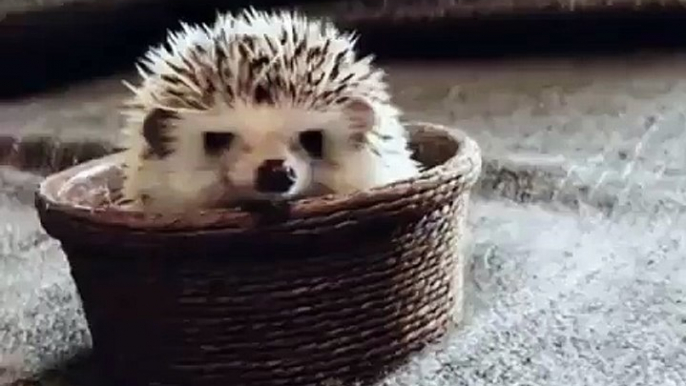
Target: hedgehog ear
(361,114)
(156,132)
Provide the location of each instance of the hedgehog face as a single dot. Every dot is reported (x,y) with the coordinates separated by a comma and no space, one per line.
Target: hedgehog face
(262,152)
(262,164)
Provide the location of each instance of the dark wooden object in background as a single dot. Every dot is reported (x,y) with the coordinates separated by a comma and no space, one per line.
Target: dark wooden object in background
(58,45)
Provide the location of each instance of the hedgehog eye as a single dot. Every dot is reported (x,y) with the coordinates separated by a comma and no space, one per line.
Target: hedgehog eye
(215,142)
(313,142)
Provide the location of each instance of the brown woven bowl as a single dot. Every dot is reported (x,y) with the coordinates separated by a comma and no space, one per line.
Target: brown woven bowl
(338,289)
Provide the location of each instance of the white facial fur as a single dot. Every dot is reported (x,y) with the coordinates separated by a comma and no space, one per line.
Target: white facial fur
(196,179)
(260,133)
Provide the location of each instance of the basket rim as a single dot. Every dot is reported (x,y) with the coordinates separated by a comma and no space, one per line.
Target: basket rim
(465,164)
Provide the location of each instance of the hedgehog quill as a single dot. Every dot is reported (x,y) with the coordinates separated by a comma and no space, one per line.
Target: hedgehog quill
(259,105)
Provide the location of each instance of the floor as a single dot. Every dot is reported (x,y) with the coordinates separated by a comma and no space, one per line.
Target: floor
(578,272)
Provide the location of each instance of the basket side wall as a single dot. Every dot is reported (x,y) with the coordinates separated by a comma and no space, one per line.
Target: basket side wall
(348,314)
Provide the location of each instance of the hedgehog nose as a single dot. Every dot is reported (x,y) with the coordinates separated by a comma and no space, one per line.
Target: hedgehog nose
(273,176)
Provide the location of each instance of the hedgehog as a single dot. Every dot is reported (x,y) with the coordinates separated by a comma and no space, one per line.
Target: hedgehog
(258,106)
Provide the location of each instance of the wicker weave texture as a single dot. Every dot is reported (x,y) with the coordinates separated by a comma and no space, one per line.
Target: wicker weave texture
(337,296)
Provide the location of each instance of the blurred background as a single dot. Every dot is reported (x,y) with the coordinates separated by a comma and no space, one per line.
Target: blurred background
(49,43)
(578,275)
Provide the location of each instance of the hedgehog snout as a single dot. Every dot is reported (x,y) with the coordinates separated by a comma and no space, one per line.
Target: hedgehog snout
(274,176)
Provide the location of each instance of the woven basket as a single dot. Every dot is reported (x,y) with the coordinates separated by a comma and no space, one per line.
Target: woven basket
(336,289)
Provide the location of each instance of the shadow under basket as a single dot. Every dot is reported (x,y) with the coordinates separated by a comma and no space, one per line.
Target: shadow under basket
(340,289)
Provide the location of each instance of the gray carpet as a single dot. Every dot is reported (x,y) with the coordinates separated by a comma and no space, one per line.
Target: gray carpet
(568,300)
